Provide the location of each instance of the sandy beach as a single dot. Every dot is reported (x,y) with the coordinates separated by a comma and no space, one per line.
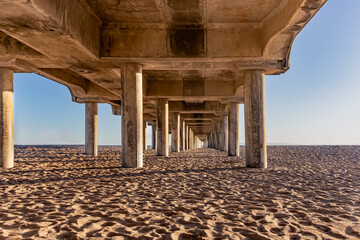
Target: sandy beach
(57,192)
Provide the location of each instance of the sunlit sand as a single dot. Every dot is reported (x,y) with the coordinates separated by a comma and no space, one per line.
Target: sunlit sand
(306,193)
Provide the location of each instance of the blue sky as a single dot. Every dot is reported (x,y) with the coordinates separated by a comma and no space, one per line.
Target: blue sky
(316,102)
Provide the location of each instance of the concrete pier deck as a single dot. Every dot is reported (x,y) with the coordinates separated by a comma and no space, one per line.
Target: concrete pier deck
(307,192)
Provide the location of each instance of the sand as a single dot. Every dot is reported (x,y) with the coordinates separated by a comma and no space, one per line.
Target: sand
(57,192)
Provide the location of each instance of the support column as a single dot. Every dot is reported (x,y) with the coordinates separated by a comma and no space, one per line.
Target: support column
(154,136)
(216,139)
(189,138)
(234,130)
(183,135)
(175,132)
(187,131)
(224,133)
(6,118)
(163,127)
(206,143)
(212,140)
(255,139)
(145,135)
(218,134)
(132,115)
(192,139)
(91,128)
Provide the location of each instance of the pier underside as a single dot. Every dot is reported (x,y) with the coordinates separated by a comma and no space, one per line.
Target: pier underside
(178,66)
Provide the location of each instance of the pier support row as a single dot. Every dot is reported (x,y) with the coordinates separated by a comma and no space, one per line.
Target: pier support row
(6,118)
(225,134)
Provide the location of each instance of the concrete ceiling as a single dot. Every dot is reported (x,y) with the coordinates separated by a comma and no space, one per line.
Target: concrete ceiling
(192,51)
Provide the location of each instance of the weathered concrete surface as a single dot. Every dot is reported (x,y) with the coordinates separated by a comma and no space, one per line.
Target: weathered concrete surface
(191,138)
(187,131)
(154,137)
(6,118)
(163,127)
(132,115)
(193,50)
(175,132)
(218,134)
(224,132)
(196,54)
(255,119)
(91,129)
(183,135)
(234,129)
(145,135)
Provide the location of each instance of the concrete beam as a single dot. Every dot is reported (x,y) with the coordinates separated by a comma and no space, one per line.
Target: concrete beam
(81,89)
(221,41)
(76,28)
(11,48)
(64,30)
(191,89)
(203,64)
(194,107)
(199,115)
(200,124)
(281,29)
